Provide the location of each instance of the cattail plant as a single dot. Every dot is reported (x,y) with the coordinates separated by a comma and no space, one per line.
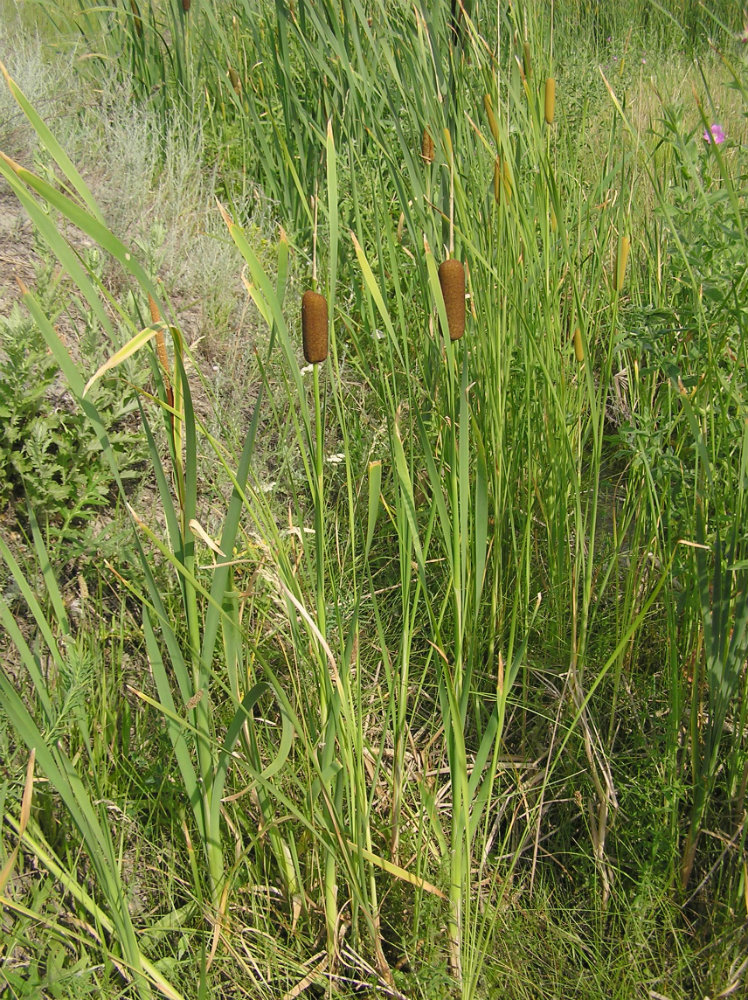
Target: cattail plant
(624,245)
(452,281)
(186,5)
(550,99)
(314,326)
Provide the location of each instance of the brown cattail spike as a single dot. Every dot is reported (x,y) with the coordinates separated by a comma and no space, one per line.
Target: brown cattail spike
(550,100)
(452,281)
(314,327)
(427,146)
(163,357)
(624,245)
(186,5)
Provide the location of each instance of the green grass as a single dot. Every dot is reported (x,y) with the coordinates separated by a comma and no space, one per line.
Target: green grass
(422,671)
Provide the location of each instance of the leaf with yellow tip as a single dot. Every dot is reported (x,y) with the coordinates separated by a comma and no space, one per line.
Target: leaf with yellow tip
(130,348)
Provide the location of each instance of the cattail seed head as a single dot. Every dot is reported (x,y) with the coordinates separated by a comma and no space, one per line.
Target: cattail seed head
(427,147)
(314,327)
(186,5)
(236,83)
(527,60)
(492,123)
(163,357)
(550,100)
(136,19)
(155,314)
(624,245)
(578,345)
(452,281)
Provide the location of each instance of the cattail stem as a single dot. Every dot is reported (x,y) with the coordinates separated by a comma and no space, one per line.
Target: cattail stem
(451,165)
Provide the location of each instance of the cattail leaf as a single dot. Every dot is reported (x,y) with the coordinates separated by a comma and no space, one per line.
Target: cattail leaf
(261,281)
(131,347)
(14,633)
(436,480)
(392,869)
(53,147)
(45,226)
(437,297)
(333,215)
(374,291)
(480,515)
(176,726)
(406,491)
(83,220)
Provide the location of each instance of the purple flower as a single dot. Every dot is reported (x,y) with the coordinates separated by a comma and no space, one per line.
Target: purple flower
(715,133)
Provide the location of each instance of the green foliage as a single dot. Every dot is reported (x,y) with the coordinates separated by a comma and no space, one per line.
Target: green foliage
(48,452)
